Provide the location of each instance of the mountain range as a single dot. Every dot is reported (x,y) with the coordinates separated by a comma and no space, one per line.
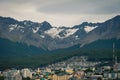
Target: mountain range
(26,38)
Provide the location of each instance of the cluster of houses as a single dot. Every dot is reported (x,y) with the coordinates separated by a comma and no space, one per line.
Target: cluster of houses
(76,68)
(86,73)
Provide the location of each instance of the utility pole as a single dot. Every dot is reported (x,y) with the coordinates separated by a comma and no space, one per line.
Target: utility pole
(113,54)
(116,64)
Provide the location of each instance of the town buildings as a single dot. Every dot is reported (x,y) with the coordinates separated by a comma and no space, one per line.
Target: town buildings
(76,68)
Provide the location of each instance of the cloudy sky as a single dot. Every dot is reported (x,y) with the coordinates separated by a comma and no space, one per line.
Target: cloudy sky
(60,12)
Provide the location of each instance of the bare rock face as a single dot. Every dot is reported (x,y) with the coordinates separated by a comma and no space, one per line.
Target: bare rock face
(107,30)
(44,35)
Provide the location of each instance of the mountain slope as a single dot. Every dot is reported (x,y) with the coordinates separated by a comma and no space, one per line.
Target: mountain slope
(107,30)
(31,44)
(20,55)
(15,49)
(43,35)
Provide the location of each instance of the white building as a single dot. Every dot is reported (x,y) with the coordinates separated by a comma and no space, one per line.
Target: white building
(12,75)
(26,73)
(111,75)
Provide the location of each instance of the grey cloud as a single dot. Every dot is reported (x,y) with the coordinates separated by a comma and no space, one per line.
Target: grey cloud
(70,6)
(35,2)
(40,10)
(83,7)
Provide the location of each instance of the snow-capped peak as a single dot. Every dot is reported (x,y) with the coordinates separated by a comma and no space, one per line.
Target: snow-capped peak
(89,28)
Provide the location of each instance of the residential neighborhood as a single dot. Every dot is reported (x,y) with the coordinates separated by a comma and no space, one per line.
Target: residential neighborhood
(75,68)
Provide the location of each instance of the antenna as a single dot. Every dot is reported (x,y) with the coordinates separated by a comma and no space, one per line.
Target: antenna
(115,59)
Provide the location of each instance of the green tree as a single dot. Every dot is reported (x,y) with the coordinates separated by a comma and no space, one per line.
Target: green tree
(1,77)
(27,78)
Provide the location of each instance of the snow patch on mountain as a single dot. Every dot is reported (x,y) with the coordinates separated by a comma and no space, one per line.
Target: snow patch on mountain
(35,30)
(42,36)
(12,27)
(89,28)
(53,32)
(76,37)
(70,32)
(15,27)
(22,30)
(18,27)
